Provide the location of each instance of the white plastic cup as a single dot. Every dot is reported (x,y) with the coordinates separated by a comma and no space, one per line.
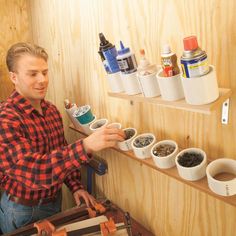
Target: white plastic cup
(222,165)
(115,125)
(130,83)
(195,172)
(149,85)
(115,82)
(165,162)
(143,152)
(171,87)
(126,144)
(97,124)
(201,90)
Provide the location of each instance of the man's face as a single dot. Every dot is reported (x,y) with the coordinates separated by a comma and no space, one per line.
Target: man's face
(31,77)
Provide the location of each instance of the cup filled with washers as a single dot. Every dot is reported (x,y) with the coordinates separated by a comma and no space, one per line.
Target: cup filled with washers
(130,134)
(142,145)
(191,163)
(164,153)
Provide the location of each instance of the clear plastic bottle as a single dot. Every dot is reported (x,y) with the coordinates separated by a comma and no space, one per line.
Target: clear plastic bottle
(169,62)
(145,67)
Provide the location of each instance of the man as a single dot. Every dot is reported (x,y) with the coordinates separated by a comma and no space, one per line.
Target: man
(35,159)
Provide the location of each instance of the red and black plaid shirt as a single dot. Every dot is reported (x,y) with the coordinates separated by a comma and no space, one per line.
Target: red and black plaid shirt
(35,159)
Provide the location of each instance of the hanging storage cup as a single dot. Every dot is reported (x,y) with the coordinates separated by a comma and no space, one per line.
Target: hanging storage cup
(201,90)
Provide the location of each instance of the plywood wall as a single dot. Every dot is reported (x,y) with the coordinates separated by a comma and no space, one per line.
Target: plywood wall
(69,31)
(15,26)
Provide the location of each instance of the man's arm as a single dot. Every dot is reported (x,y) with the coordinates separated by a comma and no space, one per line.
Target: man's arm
(37,171)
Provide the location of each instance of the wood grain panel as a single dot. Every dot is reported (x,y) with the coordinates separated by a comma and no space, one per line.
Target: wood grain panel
(15,27)
(69,31)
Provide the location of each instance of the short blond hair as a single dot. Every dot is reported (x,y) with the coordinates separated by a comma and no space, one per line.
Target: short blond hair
(19,49)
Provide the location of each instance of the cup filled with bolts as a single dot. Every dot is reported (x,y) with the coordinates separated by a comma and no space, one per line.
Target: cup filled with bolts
(130,134)
(164,153)
(191,163)
(97,124)
(142,145)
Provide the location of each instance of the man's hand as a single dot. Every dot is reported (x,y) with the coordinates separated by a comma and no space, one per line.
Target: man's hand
(81,193)
(104,137)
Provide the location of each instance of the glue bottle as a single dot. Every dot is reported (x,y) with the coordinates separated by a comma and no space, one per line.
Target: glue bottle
(126,60)
(145,67)
(169,62)
(108,54)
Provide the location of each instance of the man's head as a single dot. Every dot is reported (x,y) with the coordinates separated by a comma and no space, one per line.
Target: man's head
(28,70)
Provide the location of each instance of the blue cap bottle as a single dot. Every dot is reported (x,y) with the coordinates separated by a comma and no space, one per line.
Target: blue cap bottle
(126,60)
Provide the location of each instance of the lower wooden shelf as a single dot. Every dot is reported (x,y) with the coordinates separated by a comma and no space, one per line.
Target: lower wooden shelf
(201,184)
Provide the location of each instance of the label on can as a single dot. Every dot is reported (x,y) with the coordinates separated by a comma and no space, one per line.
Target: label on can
(110,56)
(128,65)
(195,67)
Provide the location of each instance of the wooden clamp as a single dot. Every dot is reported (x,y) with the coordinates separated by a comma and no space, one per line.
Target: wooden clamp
(108,227)
(100,208)
(45,228)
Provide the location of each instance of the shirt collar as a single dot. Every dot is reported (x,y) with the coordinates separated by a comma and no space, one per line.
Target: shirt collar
(25,104)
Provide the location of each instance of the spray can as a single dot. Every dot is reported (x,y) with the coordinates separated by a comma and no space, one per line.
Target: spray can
(144,67)
(169,62)
(108,54)
(194,60)
(126,60)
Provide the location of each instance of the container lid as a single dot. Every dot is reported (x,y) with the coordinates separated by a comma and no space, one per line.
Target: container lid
(123,50)
(190,43)
(166,49)
(104,44)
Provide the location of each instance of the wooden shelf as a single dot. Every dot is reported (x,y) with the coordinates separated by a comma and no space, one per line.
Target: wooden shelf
(180,104)
(201,184)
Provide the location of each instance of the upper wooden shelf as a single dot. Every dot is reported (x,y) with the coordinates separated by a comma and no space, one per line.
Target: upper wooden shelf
(180,104)
(201,184)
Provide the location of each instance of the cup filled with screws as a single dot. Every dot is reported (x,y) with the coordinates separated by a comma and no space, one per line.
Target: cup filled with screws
(97,124)
(142,145)
(130,134)
(191,163)
(164,153)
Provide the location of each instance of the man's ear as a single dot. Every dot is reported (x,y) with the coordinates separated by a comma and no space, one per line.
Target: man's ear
(13,77)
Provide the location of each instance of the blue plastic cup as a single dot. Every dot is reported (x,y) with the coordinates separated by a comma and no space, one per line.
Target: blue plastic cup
(84,114)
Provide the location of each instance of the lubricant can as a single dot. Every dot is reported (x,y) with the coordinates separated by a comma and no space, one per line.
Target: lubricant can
(194,61)
(108,54)
(126,60)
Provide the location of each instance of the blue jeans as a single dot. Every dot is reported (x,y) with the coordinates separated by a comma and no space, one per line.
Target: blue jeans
(14,215)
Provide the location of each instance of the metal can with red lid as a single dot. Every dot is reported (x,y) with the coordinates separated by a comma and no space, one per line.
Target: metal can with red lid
(194,61)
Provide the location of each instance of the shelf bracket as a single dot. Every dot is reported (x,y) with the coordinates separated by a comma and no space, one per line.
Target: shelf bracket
(225,112)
